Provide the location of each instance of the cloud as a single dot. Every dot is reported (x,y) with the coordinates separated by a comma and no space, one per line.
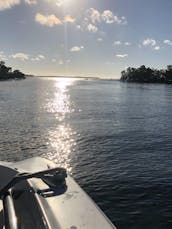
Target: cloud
(157,48)
(21,56)
(127,43)
(2,56)
(38,58)
(100,39)
(167,42)
(59,2)
(7,4)
(41,57)
(24,56)
(87,27)
(93,18)
(94,15)
(117,43)
(149,42)
(31,2)
(76,48)
(47,20)
(106,16)
(121,55)
(92,28)
(61,62)
(79,27)
(109,18)
(69,19)
(35,59)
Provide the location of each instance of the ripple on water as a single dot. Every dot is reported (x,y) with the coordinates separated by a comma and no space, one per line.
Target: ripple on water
(114,138)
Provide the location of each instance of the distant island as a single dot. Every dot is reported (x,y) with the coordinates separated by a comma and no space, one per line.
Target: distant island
(6,73)
(147,75)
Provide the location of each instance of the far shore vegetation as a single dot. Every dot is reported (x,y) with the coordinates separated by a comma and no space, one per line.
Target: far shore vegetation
(6,73)
(147,75)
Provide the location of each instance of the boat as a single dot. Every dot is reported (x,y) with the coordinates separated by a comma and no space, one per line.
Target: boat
(35,193)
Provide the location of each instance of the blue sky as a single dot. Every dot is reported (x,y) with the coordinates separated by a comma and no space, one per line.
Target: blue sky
(85,37)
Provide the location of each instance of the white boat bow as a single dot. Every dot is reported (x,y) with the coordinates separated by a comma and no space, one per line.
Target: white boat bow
(34,203)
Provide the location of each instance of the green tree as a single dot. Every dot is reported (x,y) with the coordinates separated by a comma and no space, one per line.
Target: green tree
(6,72)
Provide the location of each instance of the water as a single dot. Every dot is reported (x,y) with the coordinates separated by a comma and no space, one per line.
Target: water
(114,138)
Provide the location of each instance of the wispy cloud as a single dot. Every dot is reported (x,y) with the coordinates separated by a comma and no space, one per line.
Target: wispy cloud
(38,58)
(79,27)
(69,19)
(92,28)
(109,18)
(76,48)
(6,4)
(94,15)
(59,2)
(47,20)
(106,16)
(93,18)
(31,2)
(167,42)
(121,55)
(42,57)
(149,42)
(117,43)
(21,56)
(34,59)
(157,48)
(127,43)
(99,39)
(61,62)
(3,56)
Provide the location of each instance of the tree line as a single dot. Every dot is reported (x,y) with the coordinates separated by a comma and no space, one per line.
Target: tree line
(147,75)
(6,73)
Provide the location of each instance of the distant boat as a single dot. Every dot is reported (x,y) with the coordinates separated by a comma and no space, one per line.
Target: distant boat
(36,194)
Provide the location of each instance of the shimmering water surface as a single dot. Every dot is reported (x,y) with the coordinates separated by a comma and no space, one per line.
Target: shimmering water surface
(115,138)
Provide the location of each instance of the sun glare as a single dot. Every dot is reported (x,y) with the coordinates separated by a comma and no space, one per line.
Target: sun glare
(61,135)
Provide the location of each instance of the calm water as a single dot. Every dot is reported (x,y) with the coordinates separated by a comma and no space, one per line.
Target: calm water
(115,138)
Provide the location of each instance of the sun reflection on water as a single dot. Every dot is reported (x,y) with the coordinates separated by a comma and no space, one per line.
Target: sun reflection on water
(62,144)
(60,103)
(61,135)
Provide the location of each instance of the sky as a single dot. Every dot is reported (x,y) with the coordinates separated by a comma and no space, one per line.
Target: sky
(89,38)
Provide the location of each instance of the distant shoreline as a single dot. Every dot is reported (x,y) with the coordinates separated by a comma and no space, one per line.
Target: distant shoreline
(72,77)
(78,77)
(147,75)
